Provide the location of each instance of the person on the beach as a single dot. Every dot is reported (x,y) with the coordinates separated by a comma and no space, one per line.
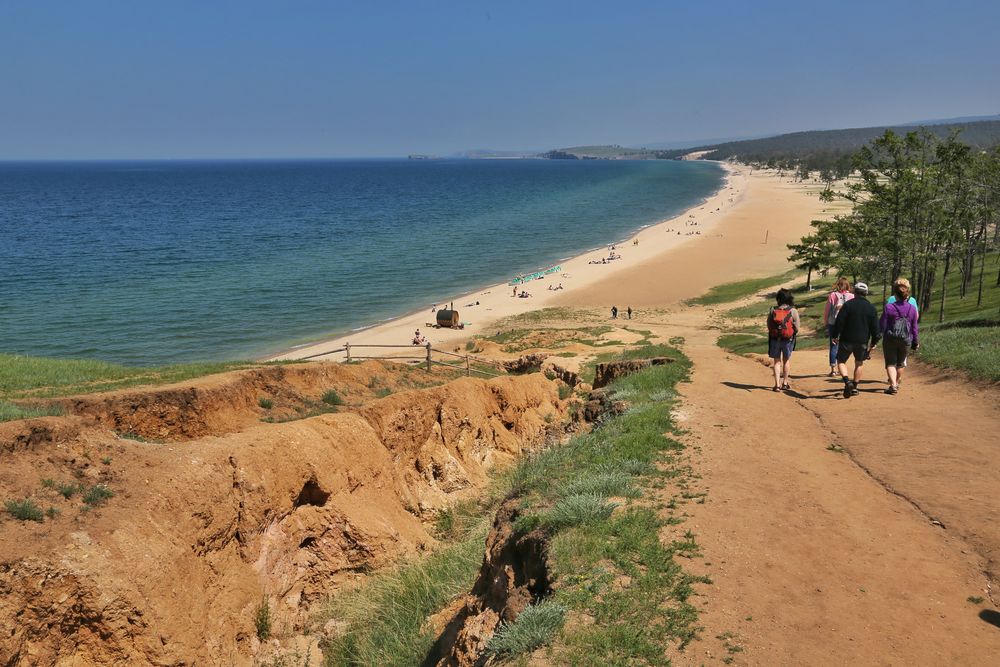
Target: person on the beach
(515,290)
(856,333)
(840,295)
(899,332)
(614,312)
(418,338)
(629,311)
(782,329)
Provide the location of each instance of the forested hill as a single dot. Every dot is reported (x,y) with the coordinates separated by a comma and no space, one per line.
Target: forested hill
(831,149)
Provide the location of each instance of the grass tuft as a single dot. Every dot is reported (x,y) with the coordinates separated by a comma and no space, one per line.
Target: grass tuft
(331,397)
(533,627)
(25,510)
(97,495)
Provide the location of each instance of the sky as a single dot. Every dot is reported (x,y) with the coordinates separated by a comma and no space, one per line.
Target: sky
(115,79)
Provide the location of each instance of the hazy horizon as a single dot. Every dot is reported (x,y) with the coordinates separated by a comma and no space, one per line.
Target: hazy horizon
(254,80)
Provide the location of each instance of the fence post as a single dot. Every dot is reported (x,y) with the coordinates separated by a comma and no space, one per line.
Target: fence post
(467,371)
(428,357)
(347,348)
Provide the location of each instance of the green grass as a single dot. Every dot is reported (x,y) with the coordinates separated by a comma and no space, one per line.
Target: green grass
(97,495)
(609,564)
(265,403)
(11,411)
(262,619)
(22,376)
(331,397)
(25,510)
(533,627)
(974,350)
(384,619)
(743,288)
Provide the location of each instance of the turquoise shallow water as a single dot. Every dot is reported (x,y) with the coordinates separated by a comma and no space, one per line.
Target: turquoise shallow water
(156,262)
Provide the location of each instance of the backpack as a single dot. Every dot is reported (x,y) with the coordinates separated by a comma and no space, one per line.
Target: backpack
(841,300)
(783,328)
(900,330)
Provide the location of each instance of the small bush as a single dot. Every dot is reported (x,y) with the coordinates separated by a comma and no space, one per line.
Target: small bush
(578,509)
(532,628)
(52,512)
(382,392)
(265,403)
(67,490)
(262,619)
(106,460)
(25,510)
(565,391)
(48,483)
(332,398)
(97,495)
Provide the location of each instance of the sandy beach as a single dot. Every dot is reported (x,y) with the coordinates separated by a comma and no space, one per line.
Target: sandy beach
(720,240)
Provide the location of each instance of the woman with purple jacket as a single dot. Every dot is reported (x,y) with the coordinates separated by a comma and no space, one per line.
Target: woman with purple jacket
(899,329)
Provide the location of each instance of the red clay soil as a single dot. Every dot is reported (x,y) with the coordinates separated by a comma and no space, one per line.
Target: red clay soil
(840,531)
(170,570)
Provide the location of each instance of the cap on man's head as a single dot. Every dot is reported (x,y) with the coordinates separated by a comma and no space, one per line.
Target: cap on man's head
(861,288)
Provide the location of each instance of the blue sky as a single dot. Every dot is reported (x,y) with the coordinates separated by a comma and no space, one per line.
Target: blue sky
(116,79)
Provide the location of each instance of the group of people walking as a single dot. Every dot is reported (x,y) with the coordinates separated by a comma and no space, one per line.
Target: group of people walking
(854,328)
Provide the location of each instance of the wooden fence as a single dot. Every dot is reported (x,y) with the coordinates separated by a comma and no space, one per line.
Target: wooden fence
(426,356)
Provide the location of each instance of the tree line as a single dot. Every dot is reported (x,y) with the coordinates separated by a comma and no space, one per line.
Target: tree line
(922,206)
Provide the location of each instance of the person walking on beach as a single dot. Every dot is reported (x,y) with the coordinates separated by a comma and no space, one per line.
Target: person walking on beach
(782,328)
(856,333)
(629,311)
(614,312)
(840,295)
(899,331)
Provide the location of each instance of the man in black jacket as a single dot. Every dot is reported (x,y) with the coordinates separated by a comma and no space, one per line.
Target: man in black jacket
(856,332)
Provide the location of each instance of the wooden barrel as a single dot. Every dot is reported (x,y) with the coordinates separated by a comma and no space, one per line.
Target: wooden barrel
(447,318)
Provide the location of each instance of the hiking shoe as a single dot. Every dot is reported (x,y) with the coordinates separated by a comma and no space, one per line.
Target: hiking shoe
(848,392)
(892,390)
(854,389)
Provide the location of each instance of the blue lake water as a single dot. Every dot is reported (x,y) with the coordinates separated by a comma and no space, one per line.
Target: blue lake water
(156,262)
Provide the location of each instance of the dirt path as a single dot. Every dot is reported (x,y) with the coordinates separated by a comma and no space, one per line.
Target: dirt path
(828,555)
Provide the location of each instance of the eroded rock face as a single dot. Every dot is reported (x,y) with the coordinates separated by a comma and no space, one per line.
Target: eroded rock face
(605,374)
(170,570)
(513,575)
(529,363)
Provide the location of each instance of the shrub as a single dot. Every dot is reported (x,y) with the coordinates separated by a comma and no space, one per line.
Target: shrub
(25,510)
(67,490)
(332,398)
(565,391)
(52,512)
(262,619)
(532,628)
(97,494)
(265,403)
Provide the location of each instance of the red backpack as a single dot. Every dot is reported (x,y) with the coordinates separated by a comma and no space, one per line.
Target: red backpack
(781,327)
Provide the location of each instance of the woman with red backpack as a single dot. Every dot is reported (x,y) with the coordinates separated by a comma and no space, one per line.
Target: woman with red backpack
(782,328)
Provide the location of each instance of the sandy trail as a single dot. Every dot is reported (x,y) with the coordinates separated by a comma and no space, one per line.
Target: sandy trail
(814,560)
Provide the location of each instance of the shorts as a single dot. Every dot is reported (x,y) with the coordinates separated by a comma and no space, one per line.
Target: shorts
(845,350)
(780,348)
(895,352)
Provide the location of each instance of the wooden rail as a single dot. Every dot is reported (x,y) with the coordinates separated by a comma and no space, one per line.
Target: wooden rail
(426,356)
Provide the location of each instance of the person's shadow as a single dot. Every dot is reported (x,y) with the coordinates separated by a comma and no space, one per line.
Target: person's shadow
(991,616)
(747,387)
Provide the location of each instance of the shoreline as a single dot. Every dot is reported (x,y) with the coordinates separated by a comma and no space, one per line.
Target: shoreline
(576,275)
